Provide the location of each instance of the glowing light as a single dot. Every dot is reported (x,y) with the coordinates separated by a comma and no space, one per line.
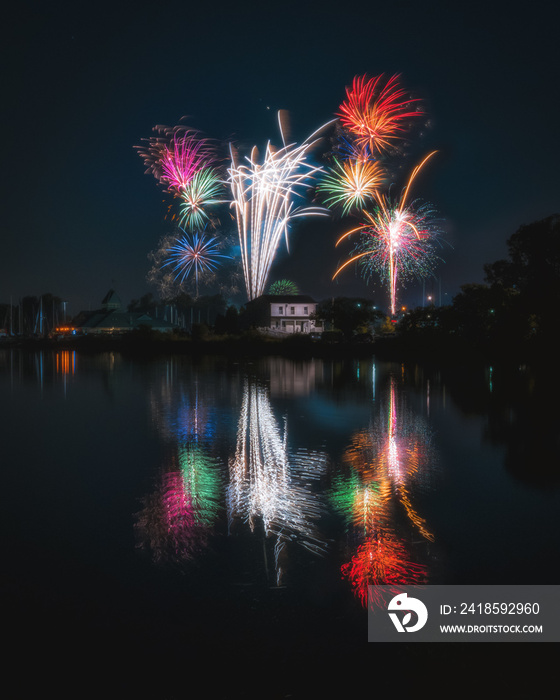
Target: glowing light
(377,112)
(65,361)
(397,240)
(352,184)
(263,199)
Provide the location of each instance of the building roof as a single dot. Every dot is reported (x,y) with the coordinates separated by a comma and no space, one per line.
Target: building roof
(282,299)
(112,300)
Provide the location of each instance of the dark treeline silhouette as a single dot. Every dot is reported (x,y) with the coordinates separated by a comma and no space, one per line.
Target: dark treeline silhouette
(513,316)
(349,316)
(187,310)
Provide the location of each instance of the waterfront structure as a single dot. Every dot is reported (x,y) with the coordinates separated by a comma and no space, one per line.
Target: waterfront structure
(112,318)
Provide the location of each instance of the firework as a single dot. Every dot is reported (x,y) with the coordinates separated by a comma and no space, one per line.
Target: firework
(283,287)
(377,111)
(176,155)
(263,199)
(184,163)
(197,194)
(397,239)
(225,277)
(352,184)
(196,254)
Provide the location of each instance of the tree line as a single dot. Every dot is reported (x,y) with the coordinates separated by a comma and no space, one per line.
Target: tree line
(512,315)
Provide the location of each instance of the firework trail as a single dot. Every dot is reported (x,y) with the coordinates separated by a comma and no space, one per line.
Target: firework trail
(263,199)
(397,239)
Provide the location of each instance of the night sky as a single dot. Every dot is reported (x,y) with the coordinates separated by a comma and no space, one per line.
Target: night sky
(83,83)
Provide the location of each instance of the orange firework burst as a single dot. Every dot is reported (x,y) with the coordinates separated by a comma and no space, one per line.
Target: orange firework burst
(376,111)
(352,184)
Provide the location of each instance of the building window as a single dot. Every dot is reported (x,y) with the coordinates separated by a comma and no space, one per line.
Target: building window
(306,310)
(292,309)
(280,310)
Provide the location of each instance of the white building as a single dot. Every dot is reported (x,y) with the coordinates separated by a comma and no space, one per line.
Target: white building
(285,313)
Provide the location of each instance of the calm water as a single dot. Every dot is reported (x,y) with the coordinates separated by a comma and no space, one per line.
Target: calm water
(163,515)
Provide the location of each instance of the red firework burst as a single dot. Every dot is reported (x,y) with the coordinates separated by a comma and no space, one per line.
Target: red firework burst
(377,112)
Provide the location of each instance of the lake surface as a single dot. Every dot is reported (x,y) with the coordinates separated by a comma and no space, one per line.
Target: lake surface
(165,517)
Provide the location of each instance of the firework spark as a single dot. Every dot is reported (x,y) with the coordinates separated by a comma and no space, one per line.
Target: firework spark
(196,254)
(397,239)
(263,199)
(352,184)
(377,111)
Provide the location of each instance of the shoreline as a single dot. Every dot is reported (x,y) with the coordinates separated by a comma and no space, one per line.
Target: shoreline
(447,351)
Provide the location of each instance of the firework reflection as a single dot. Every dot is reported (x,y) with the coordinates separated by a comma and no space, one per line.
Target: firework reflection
(177,518)
(387,462)
(270,487)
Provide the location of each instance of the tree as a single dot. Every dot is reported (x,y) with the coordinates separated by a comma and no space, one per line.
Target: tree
(531,274)
(228,323)
(146,304)
(348,315)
